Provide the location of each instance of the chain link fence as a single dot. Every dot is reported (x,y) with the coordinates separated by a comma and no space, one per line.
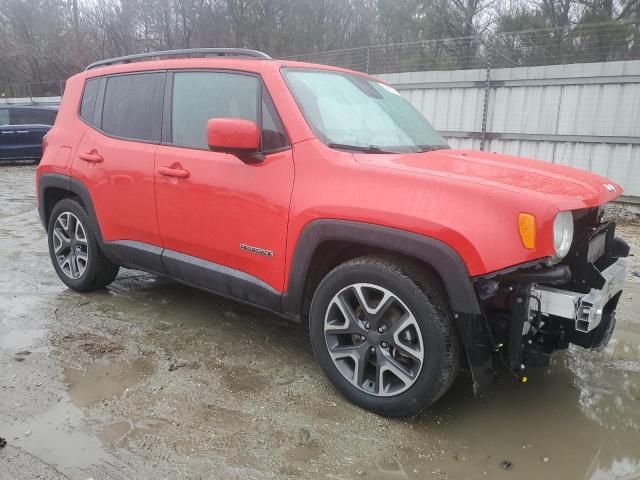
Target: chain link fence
(589,43)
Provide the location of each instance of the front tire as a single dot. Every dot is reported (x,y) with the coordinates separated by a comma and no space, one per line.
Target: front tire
(382,332)
(74,250)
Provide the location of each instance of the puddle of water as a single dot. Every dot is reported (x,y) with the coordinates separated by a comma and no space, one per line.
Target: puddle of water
(56,437)
(20,339)
(620,469)
(580,419)
(100,381)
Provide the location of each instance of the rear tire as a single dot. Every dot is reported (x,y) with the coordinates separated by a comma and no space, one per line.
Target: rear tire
(382,332)
(74,249)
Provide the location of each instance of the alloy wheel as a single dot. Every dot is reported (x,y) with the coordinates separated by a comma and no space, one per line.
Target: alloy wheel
(373,339)
(70,245)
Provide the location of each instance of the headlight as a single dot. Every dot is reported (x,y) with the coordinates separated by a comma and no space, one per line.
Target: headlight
(562,234)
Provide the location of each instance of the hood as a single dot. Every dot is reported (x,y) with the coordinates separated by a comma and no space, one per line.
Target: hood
(563,187)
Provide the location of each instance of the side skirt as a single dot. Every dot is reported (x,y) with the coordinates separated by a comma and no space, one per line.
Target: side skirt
(194,272)
(220,279)
(136,255)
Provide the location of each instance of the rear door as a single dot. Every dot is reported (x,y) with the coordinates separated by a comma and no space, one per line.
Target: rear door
(227,212)
(115,158)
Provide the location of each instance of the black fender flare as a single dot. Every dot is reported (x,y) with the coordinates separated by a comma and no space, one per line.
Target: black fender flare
(469,318)
(45,182)
(72,185)
(442,258)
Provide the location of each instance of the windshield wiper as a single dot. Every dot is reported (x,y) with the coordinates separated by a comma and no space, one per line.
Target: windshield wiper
(357,148)
(431,148)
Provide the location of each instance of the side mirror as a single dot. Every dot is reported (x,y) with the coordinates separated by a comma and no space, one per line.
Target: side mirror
(236,136)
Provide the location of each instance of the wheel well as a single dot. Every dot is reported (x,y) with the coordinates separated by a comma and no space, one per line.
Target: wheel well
(52,196)
(328,255)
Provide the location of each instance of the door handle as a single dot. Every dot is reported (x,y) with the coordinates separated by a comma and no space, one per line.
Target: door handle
(173,172)
(91,157)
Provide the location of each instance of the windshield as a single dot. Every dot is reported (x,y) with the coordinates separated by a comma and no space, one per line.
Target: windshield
(353,112)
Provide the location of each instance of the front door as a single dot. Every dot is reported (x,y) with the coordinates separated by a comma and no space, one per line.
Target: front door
(217,214)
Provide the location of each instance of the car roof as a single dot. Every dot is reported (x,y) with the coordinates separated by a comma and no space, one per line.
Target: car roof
(249,65)
(250,61)
(189,52)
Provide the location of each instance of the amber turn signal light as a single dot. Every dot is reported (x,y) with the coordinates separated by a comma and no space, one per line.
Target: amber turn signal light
(527,228)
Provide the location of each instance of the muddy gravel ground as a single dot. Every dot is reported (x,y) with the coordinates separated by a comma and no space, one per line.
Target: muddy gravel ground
(152,379)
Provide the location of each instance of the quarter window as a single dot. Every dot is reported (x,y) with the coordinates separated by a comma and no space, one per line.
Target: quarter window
(89,96)
(133,106)
(273,136)
(200,96)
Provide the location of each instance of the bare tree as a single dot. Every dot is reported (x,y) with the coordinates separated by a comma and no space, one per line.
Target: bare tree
(52,39)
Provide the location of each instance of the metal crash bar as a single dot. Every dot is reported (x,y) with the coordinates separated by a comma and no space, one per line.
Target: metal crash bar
(585,309)
(202,52)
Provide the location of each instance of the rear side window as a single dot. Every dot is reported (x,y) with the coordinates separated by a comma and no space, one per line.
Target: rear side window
(200,96)
(133,106)
(89,97)
(4,116)
(31,116)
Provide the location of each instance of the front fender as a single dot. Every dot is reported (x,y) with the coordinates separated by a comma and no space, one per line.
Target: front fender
(469,319)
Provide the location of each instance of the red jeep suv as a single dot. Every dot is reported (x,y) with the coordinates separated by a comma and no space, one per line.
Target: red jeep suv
(321,194)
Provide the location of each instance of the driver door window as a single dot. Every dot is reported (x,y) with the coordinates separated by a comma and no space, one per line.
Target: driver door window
(200,96)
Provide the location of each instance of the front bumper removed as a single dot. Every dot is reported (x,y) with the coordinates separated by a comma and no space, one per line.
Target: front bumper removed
(531,311)
(586,310)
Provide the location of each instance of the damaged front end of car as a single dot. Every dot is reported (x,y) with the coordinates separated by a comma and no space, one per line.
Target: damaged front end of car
(533,310)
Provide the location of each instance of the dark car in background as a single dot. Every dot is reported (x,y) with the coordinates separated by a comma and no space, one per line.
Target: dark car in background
(22,128)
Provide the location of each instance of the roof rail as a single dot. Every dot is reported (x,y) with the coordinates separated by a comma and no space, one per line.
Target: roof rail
(201,52)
